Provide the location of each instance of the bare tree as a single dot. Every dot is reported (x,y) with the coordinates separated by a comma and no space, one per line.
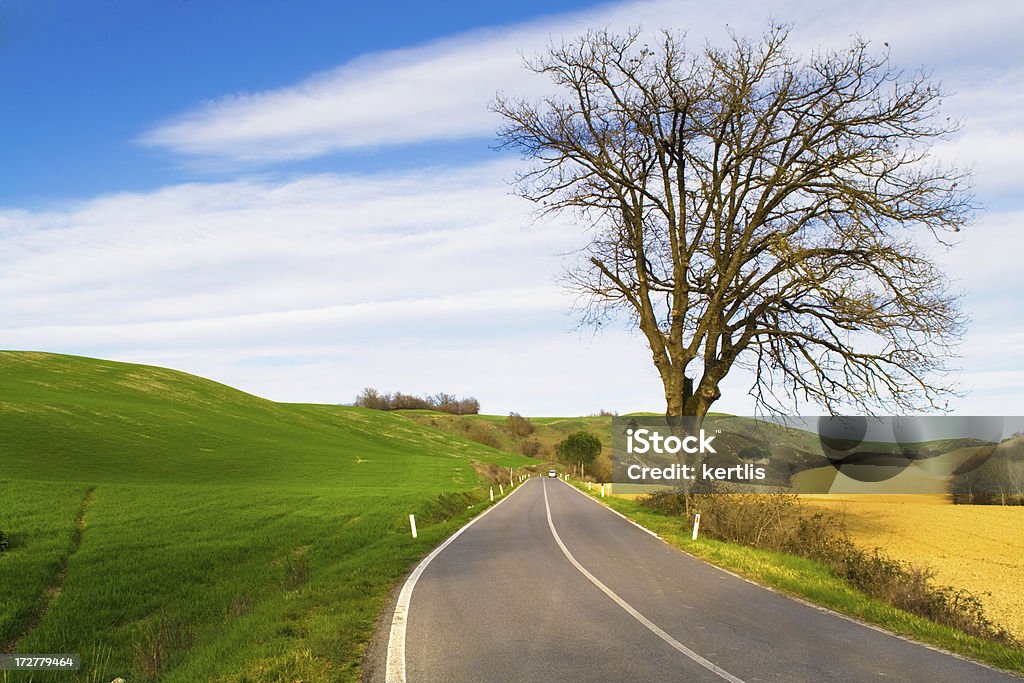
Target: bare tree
(749,208)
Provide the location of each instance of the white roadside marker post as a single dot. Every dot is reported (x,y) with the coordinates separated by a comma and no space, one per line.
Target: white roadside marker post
(412,522)
(501,489)
(588,485)
(696,526)
(492,494)
(602,490)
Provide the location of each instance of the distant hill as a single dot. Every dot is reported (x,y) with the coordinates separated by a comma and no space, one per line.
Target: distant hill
(81,419)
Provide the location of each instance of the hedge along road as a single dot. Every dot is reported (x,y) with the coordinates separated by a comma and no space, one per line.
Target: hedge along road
(550,585)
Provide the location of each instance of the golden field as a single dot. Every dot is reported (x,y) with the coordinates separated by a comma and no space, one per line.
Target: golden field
(976,547)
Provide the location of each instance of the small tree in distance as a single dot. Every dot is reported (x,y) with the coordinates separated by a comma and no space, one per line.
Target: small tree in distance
(579,448)
(749,208)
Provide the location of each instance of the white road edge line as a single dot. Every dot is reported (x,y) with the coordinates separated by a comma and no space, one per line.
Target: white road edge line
(394,671)
(796,598)
(651,626)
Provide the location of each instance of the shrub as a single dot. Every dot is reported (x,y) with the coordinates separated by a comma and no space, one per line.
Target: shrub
(531,448)
(519,426)
(762,520)
(753,453)
(467,406)
(490,473)
(371,398)
(402,401)
(5,542)
(601,471)
(482,434)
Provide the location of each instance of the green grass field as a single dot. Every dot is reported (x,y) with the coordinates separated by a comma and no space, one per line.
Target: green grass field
(166,527)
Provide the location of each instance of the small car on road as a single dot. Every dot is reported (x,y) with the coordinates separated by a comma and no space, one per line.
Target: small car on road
(552,473)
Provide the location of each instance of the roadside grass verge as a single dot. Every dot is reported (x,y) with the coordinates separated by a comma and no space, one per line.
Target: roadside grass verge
(227,538)
(816,583)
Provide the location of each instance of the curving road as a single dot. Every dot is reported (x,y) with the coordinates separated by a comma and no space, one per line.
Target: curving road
(549,585)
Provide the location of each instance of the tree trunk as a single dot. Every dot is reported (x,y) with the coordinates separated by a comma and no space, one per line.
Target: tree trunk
(678,394)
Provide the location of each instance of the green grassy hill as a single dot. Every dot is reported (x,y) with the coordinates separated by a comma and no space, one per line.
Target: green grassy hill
(494,431)
(170,528)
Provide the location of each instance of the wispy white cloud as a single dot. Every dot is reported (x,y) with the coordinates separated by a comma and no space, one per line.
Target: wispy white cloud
(519,370)
(408,313)
(986,259)
(433,92)
(440,91)
(310,289)
(313,287)
(205,251)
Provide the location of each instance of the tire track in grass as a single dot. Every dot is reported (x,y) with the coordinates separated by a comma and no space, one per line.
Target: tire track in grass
(55,586)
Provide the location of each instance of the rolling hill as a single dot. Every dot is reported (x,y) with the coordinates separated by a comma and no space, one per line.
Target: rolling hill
(167,527)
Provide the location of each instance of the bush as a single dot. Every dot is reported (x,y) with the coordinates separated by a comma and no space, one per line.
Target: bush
(371,398)
(753,453)
(761,520)
(5,542)
(519,426)
(531,448)
(601,471)
(467,406)
(402,401)
(490,473)
(482,434)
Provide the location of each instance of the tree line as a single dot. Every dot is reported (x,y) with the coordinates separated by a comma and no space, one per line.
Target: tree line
(994,476)
(446,403)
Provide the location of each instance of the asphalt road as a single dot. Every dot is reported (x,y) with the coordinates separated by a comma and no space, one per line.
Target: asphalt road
(552,586)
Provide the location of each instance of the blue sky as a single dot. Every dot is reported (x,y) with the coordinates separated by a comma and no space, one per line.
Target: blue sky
(92,76)
(301,198)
